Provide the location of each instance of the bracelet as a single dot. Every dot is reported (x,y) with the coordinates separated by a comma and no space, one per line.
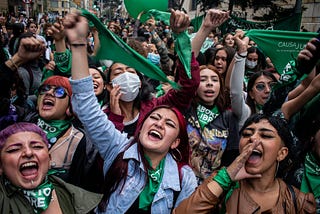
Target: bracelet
(223,179)
(243,56)
(14,64)
(78,45)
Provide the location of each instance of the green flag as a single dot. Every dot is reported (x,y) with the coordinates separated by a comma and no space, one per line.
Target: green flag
(157,15)
(182,43)
(114,48)
(280,46)
(134,7)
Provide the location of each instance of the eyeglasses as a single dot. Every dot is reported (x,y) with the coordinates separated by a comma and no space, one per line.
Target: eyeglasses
(262,86)
(58,92)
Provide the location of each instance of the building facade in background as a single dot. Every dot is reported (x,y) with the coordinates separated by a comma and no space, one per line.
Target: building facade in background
(310,15)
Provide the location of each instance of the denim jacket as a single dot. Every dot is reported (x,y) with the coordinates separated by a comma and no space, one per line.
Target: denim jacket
(110,142)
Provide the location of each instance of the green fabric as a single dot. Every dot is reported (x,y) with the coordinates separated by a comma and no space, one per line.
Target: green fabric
(234,186)
(53,128)
(39,197)
(311,179)
(182,46)
(289,23)
(157,15)
(63,61)
(205,115)
(72,199)
(223,179)
(134,7)
(160,91)
(152,186)
(280,46)
(63,65)
(196,22)
(114,48)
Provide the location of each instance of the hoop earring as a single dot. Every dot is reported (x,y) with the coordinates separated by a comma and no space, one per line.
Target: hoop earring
(179,154)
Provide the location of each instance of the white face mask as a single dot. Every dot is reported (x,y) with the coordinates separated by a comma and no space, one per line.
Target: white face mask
(251,64)
(129,86)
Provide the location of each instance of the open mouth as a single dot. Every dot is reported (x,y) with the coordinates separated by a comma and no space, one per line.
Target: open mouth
(155,134)
(48,103)
(209,93)
(29,169)
(255,156)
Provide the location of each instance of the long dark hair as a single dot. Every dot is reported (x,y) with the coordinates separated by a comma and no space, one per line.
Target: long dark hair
(144,92)
(262,64)
(251,83)
(118,171)
(230,54)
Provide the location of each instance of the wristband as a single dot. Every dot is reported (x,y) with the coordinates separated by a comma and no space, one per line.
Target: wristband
(223,179)
(243,56)
(78,45)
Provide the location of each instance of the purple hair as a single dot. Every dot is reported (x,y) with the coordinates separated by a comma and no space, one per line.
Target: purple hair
(21,127)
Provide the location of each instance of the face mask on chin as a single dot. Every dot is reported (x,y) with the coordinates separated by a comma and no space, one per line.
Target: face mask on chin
(129,86)
(251,64)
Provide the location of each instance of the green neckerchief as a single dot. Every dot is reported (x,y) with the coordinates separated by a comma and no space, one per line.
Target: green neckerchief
(152,186)
(53,128)
(311,178)
(259,108)
(205,115)
(40,197)
(160,91)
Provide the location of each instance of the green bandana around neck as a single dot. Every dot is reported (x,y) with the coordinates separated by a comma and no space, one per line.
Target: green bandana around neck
(310,181)
(259,108)
(205,116)
(53,128)
(40,197)
(152,186)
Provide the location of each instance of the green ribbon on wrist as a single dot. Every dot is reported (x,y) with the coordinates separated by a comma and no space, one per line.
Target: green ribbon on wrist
(223,179)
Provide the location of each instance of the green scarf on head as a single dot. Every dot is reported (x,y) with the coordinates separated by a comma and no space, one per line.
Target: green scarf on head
(152,186)
(311,179)
(53,128)
(205,115)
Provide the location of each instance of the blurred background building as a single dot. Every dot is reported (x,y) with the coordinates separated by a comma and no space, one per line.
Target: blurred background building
(109,9)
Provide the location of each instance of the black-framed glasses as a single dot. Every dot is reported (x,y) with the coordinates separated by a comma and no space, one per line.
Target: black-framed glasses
(58,91)
(262,86)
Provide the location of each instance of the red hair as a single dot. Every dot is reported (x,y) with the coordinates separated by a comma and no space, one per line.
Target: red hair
(59,81)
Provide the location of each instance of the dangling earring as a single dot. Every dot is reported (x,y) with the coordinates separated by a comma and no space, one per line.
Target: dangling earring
(275,175)
(179,154)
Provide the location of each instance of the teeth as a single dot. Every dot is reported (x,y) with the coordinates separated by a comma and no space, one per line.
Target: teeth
(153,132)
(29,164)
(256,151)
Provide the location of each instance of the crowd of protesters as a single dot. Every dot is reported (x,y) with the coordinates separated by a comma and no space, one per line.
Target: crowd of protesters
(80,134)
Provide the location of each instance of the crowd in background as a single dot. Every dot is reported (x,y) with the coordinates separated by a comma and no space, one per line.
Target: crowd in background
(237,135)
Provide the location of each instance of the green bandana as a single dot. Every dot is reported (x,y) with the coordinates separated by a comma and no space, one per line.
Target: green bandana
(53,128)
(205,116)
(40,197)
(259,108)
(152,186)
(310,181)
